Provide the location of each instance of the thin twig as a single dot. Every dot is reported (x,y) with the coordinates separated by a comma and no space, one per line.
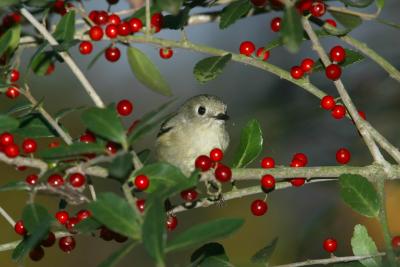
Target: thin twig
(361,15)
(148,26)
(7,216)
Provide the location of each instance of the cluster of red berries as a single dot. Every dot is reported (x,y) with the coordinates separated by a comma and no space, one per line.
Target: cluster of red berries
(337,56)
(60,7)
(204,163)
(247,48)
(108,235)
(76,180)
(299,160)
(337,111)
(316,8)
(297,72)
(11,149)
(89,137)
(12,91)
(9,20)
(64,218)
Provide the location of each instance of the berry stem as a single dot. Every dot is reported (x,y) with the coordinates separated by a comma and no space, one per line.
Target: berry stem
(148,26)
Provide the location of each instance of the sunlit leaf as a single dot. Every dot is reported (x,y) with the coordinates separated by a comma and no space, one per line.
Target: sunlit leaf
(234,11)
(209,68)
(362,245)
(65,29)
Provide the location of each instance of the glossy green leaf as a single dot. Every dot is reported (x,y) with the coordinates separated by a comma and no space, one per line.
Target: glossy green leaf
(141,13)
(9,41)
(234,11)
(67,111)
(34,126)
(359,194)
(292,29)
(74,149)
(6,3)
(352,57)
(204,232)
(264,254)
(115,213)
(144,155)
(121,167)
(118,255)
(209,68)
(176,22)
(33,215)
(171,6)
(347,20)
(106,123)
(23,107)
(147,72)
(380,3)
(357,3)
(362,244)
(65,29)
(210,255)
(41,62)
(250,146)
(14,186)
(88,225)
(8,123)
(153,229)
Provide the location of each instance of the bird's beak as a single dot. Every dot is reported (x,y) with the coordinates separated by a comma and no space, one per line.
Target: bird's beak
(222,117)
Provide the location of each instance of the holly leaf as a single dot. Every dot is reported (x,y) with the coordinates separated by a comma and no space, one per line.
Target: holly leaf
(264,254)
(146,72)
(347,20)
(234,11)
(292,29)
(74,149)
(209,68)
(210,255)
(171,6)
(352,57)
(359,193)
(8,123)
(9,41)
(362,245)
(121,167)
(65,29)
(118,255)
(35,126)
(250,146)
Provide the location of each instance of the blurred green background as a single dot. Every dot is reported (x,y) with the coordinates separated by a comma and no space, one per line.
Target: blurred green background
(292,122)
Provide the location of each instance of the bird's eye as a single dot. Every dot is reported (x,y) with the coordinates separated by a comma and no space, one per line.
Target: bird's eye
(201,110)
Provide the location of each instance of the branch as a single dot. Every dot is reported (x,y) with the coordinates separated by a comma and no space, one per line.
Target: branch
(364,16)
(7,216)
(29,162)
(148,26)
(66,57)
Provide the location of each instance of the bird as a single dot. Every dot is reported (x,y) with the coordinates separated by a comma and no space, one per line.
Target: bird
(196,128)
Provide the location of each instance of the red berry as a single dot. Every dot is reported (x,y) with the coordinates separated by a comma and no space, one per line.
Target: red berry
(112,31)
(157,20)
(302,157)
(20,228)
(11,150)
(343,156)
(83,214)
(112,54)
(124,29)
(49,241)
(297,182)
(66,243)
(333,72)
(85,47)
(114,19)
(171,222)
(203,163)
(307,64)
(6,139)
(247,48)
(87,137)
(142,182)
(112,147)
(362,114)
(55,180)
(268,182)
(337,54)
(59,7)
(189,195)
(93,15)
(112,2)
(331,22)
(77,179)
(216,155)
(140,204)
(31,179)
(297,163)
(136,24)
(223,173)
(328,102)
(330,245)
(318,9)
(296,72)
(396,242)
(96,33)
(62,216)
(106,234)
(14,75)
(338,112)
(29,145)
(16,17)
(262,53)
(102,17)
(304,5)
(166,53)
(70,225)
(276,24)
(124,107)
(12,92)
(259,3)
(54,144)
(50,69)
(268,163)
(259,207)
(36,254)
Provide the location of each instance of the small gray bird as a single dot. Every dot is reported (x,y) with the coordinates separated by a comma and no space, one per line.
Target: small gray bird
(195,129)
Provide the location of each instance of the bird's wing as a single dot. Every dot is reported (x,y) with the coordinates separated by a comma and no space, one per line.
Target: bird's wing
(167,125)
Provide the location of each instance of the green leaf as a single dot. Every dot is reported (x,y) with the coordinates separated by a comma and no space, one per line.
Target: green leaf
(41,62)
(352,57)
(106,123)
(292,29)
(6,3)
(66,111)
(23,106)
(204,232)
(264,254)
(38,3)
(74,149)
(359,194)
(115,213)
(9,41)
(148,122)
(87,225)
(210,255)
(34,126)
(118,255)
(357,3)
(171,6)
(250,146)
(121,167)
(14,186)
(146,72)
(8,123)
(33,215)
(153,229)
(380,3)
(209,68)
(176,22)
(234,11)
(65,29)
(141,13)
(347,20)
(362,244)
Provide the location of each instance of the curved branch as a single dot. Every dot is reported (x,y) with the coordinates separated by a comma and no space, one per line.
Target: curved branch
(28,162)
